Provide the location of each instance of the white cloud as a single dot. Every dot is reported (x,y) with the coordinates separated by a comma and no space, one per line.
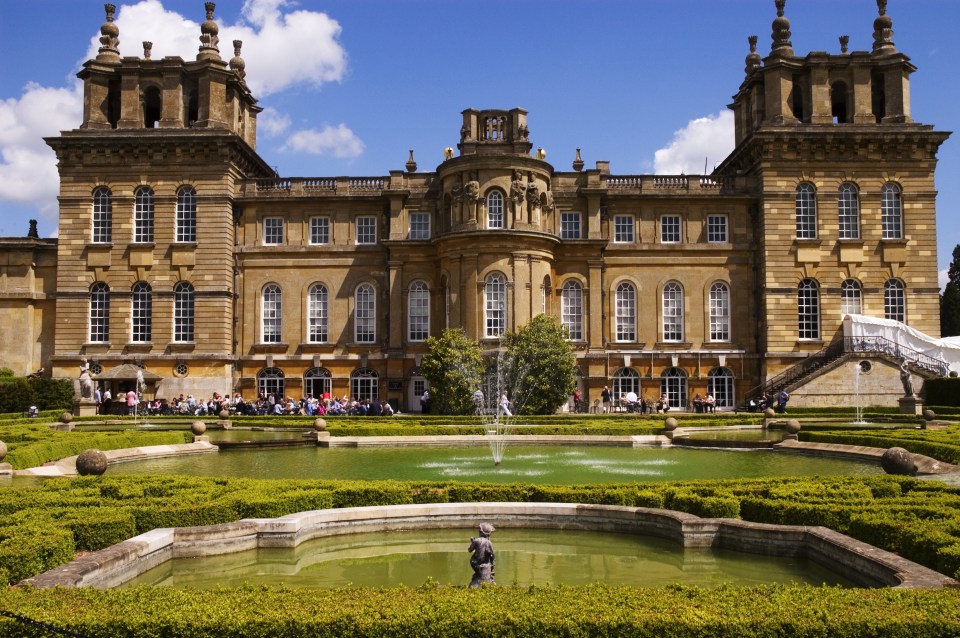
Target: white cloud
(706,138)
(942,278)
(271,122)
(335,141)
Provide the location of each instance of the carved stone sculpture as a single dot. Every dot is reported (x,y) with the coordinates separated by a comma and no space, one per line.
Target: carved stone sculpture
(483,558)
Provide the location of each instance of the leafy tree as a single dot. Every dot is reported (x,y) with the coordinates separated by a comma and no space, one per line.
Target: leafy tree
(453,365)
(543,367)
(950,299)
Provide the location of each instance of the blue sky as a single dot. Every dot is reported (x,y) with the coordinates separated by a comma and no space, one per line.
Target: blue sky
(349,86)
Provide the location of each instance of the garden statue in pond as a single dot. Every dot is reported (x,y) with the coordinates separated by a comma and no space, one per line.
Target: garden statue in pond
(483,558)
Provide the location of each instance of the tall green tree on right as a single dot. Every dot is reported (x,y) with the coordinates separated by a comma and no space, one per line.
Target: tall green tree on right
(950,299)
(543,367)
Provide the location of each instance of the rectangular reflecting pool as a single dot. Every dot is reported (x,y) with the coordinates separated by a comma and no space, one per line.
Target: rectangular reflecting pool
(556,464)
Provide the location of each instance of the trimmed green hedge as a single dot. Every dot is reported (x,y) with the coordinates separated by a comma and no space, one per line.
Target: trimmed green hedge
(19,393)
(943,445)
(32,445)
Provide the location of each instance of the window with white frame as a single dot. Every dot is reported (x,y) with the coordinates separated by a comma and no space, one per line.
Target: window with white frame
(183,312)
(495,305)
(420,226)
(102,216)
(418,316)
(572,309)
(319,230)
(808,310)
(186,214)
(273,231)
(625,380)
(806,211)
(719,312)
(270,381)
(891,212)
(318,383)
(851,298)
(848,204)
(495,209)
(670,229)
(99,313)
(717,229)
(317,314)
(623,229)
(366,230)
(143,215)
(672,312)
(141,313)
(365,314)
(626,312)
(894,300)
(272,314)
(570,225)
(365,384)
(674,385)
(720,385)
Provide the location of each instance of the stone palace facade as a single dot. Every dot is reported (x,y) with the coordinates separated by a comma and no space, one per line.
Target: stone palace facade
(181,253)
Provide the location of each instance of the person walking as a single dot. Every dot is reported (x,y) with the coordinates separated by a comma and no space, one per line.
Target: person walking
(605,398)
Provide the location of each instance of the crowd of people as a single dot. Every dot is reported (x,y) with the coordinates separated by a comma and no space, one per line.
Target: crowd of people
(778,403)
(265,404)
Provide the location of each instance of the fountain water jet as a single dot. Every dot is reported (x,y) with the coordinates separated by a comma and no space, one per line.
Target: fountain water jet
(858,370)
(493,402)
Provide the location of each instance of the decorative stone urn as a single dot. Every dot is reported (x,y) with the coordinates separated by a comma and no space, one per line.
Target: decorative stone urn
(91,462)
(897,460)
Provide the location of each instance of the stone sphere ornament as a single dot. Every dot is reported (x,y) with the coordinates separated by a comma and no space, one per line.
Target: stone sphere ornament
(198,427)
(670,424)
(224,415)
(769,413)
(3,450)
(66,417)
(793,426)
(91,463)
(897,460)
(320,425)
(929,415)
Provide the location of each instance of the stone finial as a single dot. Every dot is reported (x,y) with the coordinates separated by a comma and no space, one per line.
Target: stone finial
(147,49)
(109,37)
(411,163)
(883,30)
(236,62)
(208,35)
(844,43)
(781,31)
(578,161)
(753,59)
(32,233)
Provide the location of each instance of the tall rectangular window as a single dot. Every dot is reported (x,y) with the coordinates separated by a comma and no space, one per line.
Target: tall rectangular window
(317,314)
(319,230)
(717,229)
(672,308)
(102,216)
(805,208)
(186,215)
(272,314)
(273,231)
(570,225)
(848,203)
(623,232)
(891,212)
(99,313)
(365,314)
(366,230)
(418,316)
(670,229)
(183,304)
(626,312)
(571,311)
(143,216)
(419,226)
(719,312)
(142,313)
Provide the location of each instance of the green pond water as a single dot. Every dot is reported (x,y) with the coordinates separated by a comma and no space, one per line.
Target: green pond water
(524,557)
(523,463)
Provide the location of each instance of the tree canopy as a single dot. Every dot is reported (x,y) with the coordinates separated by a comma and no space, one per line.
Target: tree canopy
(543,366)
(950,299)
(453,365)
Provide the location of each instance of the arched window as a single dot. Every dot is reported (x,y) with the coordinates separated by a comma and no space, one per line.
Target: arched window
(142,313)
(848,204)
(891,212)
(99,313)
(318,383)
(272,314)
(495,210)
(625,380)
(672,312)
(674,385)
(317,313)
(720,385)
(143,216)
(808,309)
(894,300)
(102,216)
(806,211)
(572,309)
(364,384)
(851,298)
(418,316)
(365,315)
(186,214)
(495,304)
(270,381)
(183,305)
(719,312)
(626,312)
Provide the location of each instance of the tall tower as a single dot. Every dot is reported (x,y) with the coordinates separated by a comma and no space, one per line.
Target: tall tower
(846,221)
(146,236)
